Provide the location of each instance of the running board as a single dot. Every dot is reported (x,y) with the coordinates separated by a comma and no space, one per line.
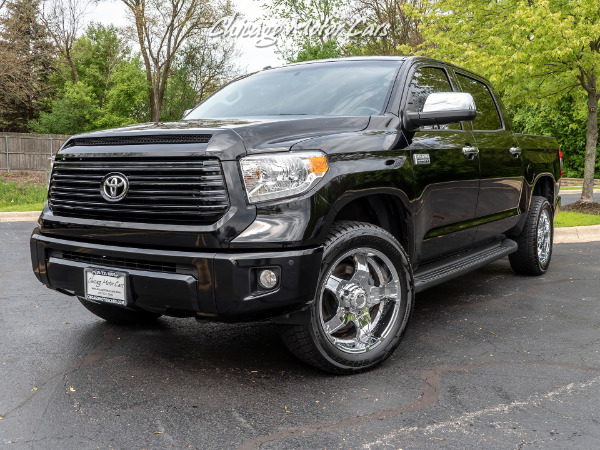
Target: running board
(456,265)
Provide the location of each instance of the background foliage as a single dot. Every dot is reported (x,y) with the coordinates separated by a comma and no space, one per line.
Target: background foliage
(563,119)
(56,78)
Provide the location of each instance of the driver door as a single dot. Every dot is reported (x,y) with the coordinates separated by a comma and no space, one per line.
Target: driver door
(446,180)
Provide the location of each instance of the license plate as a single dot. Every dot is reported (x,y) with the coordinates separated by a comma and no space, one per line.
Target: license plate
(105,286)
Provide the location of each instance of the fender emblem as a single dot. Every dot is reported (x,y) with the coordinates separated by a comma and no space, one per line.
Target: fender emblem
(421,158)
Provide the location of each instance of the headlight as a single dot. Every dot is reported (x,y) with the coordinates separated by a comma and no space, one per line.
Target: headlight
(268,177)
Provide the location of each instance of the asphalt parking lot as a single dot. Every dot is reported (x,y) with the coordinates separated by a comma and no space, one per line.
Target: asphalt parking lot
(569,197)
(491,360)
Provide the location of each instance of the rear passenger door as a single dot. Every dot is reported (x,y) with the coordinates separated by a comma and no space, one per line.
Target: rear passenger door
(500,160)
(446,179)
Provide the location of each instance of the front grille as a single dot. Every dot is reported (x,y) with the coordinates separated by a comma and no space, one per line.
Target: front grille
(141,140)
(173,191)
(119,263)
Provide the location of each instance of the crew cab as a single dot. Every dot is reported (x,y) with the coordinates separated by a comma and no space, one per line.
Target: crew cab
(321,196)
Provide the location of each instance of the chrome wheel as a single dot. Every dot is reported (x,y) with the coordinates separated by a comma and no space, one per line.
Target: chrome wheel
(359,301)
(544,237)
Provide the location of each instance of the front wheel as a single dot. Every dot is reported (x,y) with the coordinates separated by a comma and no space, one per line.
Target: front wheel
(363,303)
(535,241)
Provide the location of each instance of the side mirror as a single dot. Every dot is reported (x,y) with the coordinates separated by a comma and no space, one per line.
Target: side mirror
(442,108)
(185,113)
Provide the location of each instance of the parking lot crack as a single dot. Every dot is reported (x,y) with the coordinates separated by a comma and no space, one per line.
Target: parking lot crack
(430,395)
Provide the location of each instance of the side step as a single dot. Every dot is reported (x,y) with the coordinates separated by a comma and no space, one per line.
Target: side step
(456,265)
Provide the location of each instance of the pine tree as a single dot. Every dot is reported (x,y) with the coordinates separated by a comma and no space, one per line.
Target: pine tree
(27,56)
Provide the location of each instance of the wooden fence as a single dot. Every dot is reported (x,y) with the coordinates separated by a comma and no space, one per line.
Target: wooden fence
(31,152)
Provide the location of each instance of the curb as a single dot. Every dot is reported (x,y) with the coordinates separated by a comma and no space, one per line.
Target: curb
(574,235)
(575,191)
(568,235)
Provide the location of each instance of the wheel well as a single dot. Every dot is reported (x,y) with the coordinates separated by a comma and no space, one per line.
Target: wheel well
(545,188)
(385,211)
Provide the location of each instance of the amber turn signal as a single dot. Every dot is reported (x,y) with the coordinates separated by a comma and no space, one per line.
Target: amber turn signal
(318,164)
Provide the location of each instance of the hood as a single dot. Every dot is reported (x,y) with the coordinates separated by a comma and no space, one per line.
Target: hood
(225,138)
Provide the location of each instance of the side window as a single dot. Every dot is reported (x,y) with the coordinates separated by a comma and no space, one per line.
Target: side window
(425,81)
(487,112)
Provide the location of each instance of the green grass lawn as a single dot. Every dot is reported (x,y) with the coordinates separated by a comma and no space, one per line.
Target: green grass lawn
(25,207)
(575,219)
(575,188)
(21,196)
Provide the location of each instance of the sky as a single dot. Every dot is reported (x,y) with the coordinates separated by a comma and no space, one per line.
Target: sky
(251,58)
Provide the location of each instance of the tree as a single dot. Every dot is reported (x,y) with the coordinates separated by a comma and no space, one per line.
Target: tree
(374,27)
(63,20)
(403,19)
(161,27)
(534,51)
(111,91)
(76,111)
(26,56)
(127,98)
(97,54)
(317,13)
(179,96)
(207,64)
(565,119)
(302,11)
(203,65)
(310,51)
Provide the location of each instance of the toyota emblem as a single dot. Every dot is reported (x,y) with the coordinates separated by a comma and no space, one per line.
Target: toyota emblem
(114,187)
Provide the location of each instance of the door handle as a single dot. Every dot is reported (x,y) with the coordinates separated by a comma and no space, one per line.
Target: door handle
(515,151)
(470,152)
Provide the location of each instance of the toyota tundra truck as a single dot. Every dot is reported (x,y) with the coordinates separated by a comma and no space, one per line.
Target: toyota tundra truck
(321,196)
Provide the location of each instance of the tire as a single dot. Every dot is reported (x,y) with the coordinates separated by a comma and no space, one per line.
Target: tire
(118,315)
(363,303)
(535,241)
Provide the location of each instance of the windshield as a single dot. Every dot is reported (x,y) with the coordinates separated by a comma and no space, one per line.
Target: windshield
(349,88)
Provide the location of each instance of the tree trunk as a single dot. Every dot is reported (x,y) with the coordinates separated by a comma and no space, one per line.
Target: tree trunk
(138,14)
(154,110)
(591,140)
(155,100)
(73,67)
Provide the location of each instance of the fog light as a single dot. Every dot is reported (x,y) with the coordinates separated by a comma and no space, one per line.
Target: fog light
(267,279)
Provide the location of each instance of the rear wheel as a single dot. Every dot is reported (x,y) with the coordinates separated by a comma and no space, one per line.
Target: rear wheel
(118,315)
(363,302)
(535,241)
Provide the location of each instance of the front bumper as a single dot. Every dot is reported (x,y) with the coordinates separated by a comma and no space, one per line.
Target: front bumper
(211,284)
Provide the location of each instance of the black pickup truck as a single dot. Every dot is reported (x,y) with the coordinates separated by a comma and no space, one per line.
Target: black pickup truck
(321,196)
